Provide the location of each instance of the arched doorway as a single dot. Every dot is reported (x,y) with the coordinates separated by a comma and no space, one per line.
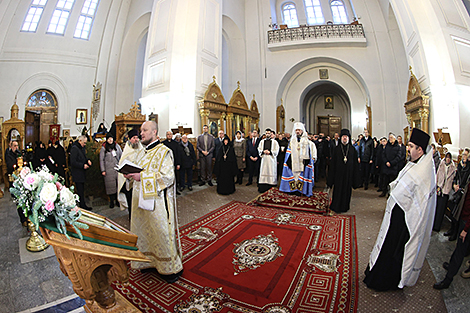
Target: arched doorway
(40,113)
(326,107)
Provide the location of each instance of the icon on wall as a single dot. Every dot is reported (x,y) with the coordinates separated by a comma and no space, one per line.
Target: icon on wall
(329,104)
(81,116)
(323,73)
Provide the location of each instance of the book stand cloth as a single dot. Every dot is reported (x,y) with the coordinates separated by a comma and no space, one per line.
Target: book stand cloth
(91,267)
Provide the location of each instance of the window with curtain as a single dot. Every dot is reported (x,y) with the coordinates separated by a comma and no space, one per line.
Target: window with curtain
(314,12)
(290,15)
(60,17)
(339,12)
(33,16)
(85,21)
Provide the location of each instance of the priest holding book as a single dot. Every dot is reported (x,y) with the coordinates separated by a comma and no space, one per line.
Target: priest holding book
(154,217)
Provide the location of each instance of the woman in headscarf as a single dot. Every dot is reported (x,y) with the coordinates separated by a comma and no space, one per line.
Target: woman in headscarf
(239,146)
(40,156)
(110,155)
(225,168)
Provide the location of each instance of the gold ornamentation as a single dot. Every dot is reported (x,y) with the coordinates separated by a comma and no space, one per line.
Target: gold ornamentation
(327,262)
(148,186)
(214,95)
(202,233)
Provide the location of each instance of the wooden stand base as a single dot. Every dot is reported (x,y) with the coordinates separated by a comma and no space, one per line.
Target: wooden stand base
(121,306)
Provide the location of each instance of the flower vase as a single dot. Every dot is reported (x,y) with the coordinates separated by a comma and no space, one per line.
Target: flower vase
(35,243)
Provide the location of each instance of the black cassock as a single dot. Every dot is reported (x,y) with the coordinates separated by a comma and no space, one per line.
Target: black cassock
(343,176)
(60,161)
(225,168)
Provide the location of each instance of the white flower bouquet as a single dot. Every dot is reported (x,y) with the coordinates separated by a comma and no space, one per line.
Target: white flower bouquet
(42,195)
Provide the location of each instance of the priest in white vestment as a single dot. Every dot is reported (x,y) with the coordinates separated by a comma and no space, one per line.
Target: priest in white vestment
(133,152)
(154,217)
(399,252)
(268,149)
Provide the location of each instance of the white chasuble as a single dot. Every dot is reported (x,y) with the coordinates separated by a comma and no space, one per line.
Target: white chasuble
(134,156)
(268,167)
(414,191)
(154,217)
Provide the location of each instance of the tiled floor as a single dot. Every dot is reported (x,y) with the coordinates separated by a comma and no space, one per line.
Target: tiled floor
(29,286)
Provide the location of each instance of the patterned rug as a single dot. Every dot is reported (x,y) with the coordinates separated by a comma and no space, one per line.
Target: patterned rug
(242,258)
(317,203)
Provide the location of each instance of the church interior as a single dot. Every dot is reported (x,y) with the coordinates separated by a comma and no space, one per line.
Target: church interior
(382,65)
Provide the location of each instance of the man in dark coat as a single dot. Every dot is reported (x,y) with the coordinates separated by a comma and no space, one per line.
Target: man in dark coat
(218,143)
(252,156)
(188,160)
(205,146)
(343,173)
(323,154)
(174,147)
(80,163)
(366,155)
(391,157)
(11,156)
(402,163)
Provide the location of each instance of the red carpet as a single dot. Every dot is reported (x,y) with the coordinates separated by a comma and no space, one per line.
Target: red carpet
(317,203)
(242,258)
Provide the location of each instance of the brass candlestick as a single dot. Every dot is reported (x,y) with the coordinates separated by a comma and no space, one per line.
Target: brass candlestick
(35,242)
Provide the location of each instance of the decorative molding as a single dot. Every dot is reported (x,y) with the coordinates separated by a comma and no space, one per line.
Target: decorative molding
(462,47)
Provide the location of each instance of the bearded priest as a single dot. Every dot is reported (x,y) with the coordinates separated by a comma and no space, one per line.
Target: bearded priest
(343,173)
(398,254)
(154,217)
(297,172)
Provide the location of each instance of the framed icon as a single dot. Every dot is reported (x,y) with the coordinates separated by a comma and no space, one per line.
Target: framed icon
(66,133)
(81,116)
(323,73)
(329,104)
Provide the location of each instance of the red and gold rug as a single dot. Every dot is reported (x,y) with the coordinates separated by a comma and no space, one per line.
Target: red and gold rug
(317,203)
(243,258)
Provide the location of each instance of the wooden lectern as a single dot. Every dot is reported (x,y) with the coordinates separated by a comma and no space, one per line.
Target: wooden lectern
(92,263)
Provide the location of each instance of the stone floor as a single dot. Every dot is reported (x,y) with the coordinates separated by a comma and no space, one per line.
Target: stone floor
(29,287)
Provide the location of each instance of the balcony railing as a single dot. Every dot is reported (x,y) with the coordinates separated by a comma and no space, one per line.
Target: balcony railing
(319,33)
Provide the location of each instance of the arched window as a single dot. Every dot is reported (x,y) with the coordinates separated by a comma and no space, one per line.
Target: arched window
(339,12)
(60,17)
(33,16)
(290,15)
(314,13)
(85,21)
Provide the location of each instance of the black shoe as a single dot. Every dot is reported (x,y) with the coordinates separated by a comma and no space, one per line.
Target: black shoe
(249,183)
(171,278)
(453,237)
(202,183)
(149,270)
(181,188)
(117,204)
(445,266)
(111,204)
(190,188)
(379,190)
(366,187)
(442,285)
(210,183)
(383,194)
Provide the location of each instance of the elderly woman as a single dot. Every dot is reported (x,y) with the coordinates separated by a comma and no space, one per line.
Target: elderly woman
(110,155)
(239,146)
(225,168)
(445,177)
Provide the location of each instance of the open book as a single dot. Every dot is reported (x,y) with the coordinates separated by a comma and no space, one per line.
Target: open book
(127,167)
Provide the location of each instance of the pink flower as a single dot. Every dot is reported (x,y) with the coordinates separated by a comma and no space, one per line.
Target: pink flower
(50,205)
(30,180)
(51,177)
(59,186)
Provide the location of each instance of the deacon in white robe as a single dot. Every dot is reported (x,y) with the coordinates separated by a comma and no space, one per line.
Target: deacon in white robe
(268,149)
(133,152)
(154,217)
(399,252)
